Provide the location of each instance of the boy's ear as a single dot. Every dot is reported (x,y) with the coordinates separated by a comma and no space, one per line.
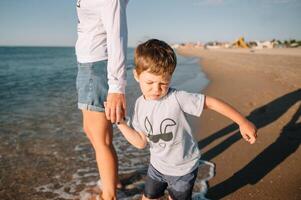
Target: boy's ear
(136,75)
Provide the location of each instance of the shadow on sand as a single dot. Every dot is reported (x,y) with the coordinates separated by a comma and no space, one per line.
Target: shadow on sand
(286,144)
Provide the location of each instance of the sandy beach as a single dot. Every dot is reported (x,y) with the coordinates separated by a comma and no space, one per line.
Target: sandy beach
(265,86)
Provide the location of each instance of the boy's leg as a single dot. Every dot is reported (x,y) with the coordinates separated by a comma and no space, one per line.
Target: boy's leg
(180,187)
(155,185)
(99,131)
(154,189)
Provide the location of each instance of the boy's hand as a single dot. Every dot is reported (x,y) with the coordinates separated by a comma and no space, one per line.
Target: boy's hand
(248,131)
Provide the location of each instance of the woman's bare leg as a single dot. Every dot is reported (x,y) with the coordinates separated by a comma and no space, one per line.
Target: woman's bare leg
(99,132)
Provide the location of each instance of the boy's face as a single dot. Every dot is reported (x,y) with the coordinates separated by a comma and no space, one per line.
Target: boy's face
(153,87)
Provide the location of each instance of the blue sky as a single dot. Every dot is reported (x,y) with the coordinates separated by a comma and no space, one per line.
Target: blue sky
(53,22)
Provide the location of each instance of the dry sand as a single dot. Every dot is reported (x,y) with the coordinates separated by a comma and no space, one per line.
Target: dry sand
(265,86)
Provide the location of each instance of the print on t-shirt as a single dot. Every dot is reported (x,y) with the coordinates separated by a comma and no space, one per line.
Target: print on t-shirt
(164,134)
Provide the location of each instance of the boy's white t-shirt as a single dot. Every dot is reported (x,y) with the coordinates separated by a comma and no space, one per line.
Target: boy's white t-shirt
(173,149)
(102,35)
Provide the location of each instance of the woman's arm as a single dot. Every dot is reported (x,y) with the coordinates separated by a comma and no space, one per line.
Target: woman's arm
(247,128)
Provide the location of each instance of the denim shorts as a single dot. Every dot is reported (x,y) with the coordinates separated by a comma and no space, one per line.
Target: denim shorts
(178,187)
(92,85)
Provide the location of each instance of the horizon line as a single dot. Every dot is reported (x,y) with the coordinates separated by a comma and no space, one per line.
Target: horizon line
(44,46)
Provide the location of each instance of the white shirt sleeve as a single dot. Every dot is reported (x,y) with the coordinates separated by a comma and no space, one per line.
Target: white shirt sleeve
(114,20)
(135,122)
(191,103)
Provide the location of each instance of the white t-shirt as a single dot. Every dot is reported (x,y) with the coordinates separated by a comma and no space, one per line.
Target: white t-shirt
(173,149)
(102,35)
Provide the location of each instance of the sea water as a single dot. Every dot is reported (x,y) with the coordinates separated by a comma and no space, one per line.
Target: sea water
(44,153)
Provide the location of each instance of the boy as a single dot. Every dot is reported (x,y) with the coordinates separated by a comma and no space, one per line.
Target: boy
(159,119)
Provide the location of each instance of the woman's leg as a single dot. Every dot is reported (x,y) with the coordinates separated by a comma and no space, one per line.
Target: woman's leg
(99,132)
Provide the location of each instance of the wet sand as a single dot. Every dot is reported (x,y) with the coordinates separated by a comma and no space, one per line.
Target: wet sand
(265,86)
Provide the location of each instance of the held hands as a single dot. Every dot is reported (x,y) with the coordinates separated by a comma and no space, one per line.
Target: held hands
(115,107)
(248,131)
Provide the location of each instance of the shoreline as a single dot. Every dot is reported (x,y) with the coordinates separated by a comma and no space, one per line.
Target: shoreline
(265,87)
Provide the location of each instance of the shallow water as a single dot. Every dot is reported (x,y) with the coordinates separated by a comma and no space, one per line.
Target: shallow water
(44,153)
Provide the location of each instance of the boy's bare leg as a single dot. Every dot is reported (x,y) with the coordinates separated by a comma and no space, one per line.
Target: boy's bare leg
(99,132)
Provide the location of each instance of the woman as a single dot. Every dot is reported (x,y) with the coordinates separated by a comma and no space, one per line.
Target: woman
(101,55)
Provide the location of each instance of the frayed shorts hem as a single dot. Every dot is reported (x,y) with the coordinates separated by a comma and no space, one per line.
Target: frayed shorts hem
(83,106)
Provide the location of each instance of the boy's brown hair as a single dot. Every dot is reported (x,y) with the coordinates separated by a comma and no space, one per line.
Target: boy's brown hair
(155,56)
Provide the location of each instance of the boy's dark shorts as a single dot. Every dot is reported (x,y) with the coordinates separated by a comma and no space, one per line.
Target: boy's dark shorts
(92,85)
(178,187)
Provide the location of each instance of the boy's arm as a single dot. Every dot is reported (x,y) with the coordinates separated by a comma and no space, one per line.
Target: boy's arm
(247,128)
(135,138)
